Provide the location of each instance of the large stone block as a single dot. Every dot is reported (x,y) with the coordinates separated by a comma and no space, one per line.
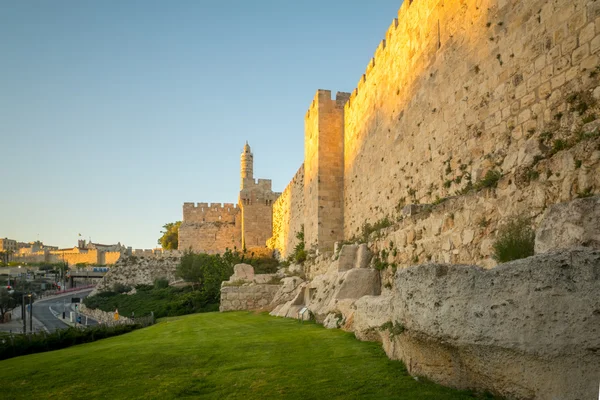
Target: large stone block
(243,272)
(358,283)
(570,224)
(347,257)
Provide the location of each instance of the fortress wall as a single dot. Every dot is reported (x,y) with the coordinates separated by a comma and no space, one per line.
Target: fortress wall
(209,237)
(111,257)
(75,257)
(462,229)
(288,216)
(323,168)
(311,168)
(205,212)
(460,88)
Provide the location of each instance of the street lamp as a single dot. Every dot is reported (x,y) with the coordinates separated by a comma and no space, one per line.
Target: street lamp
(24,313)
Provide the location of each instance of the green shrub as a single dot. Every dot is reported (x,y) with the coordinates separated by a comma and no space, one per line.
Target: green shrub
(120,288)
(161,283)
(18,345)
(515,240)
(490,179)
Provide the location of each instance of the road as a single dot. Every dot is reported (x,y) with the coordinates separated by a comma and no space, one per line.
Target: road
(49,312)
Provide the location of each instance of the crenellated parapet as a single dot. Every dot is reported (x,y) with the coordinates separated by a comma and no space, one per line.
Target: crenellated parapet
(210,212)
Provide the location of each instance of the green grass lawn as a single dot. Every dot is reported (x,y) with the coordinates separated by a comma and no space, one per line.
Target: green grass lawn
(218,356)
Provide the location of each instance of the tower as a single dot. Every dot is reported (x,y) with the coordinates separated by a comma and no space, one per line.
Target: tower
(246,166)
(256,202)
(324,171)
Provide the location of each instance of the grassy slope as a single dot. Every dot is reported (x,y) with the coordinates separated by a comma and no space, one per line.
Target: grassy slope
(218,356)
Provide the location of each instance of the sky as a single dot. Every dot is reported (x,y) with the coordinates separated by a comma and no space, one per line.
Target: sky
(114,113)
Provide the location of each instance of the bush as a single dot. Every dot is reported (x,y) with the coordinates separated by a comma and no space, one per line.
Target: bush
(515,241)
(161,283)
(121,288)
(18,345)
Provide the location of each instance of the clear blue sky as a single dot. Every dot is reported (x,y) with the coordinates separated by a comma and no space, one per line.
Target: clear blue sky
(115,113)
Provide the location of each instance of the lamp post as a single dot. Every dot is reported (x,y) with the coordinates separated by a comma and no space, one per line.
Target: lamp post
(31,312)
(24,315)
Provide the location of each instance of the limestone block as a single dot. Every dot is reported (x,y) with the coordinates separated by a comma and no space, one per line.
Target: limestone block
(243,272)
(264,278)
(571,224)
(358,283)
(347,257)
(332,321)
(363,256)
(288,290)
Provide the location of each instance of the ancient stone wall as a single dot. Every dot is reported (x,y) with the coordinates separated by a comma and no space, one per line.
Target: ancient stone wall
(457,89)
(214,212)
(210,237)
(288,216)
(251,296)
(458,98)
(135,270)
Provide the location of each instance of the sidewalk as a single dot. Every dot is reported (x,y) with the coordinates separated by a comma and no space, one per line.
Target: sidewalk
(16,325)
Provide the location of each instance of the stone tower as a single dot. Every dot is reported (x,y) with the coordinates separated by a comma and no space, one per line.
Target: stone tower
(324,170)
(247,166)
(256,202)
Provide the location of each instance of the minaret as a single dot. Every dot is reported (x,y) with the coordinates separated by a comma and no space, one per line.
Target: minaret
(247,165)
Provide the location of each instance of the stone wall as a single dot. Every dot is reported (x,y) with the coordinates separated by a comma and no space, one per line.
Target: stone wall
(463,228)
(288,216)
(135,270)
(249,296)
(460,88)
(71,256)
(210,237)
(459,94)
(246,291)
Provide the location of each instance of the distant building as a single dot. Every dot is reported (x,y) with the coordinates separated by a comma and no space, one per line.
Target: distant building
(8,245)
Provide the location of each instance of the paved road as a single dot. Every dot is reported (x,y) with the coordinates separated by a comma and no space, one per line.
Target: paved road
(49,312)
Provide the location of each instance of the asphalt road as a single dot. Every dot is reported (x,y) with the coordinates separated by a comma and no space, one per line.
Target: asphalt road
(49,312)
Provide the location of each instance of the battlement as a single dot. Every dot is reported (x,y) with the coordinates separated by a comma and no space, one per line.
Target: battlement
(263,184)
(210,212)
(324,97)
(380,52)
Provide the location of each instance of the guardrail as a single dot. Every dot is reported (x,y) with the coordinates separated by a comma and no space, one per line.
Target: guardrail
(66,291)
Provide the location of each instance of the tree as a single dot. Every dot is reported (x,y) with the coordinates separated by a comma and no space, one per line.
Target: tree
(7,302)
(170,236)
(206,272)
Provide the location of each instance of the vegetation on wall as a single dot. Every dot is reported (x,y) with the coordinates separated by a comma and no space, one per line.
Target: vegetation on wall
(515,240)
(299,255)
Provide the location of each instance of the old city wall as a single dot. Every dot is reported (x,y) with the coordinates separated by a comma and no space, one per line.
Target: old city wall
(210,228)
(111,257)
(205,212)
(209,237)
(288,216)
(460,88)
